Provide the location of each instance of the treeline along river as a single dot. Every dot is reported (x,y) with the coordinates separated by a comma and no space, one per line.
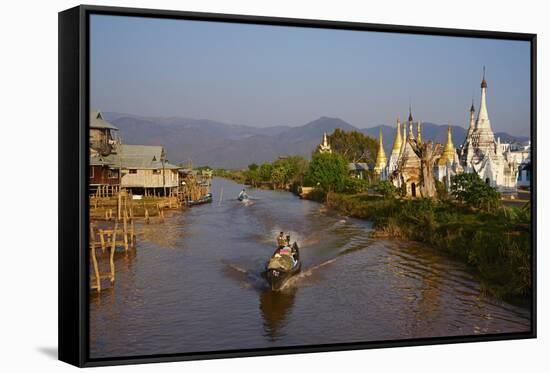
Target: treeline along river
(194,284)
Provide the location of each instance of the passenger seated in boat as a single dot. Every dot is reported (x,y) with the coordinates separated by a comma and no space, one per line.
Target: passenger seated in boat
(281,242)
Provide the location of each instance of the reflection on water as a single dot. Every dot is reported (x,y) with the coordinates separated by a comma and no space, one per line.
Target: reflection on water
(275,307)
(194,284)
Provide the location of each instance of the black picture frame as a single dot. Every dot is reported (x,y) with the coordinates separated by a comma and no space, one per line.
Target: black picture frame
(73,180)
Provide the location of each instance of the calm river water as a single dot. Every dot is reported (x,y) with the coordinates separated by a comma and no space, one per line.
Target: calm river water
(193,284)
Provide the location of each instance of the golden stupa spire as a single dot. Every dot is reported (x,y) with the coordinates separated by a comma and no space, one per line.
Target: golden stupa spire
(381,159)
(324,147)
(398,140)
(449,152)
(418,132)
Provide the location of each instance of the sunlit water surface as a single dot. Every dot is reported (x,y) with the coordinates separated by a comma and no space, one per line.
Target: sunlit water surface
(194,284)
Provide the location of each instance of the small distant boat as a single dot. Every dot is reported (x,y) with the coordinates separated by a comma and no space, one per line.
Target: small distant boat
(204,199)
(282,265)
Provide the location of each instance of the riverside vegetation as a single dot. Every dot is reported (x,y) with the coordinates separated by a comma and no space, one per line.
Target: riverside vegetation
(468,223)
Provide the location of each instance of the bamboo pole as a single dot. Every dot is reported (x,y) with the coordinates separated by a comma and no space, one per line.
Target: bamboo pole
(102,240)
(119,206)
(94,259)
(112,256)
(125,231)
(132,233)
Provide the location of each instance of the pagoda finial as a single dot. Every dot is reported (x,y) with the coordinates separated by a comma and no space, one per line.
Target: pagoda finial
(410,112)
(381,159)
(324,147)
(483,81)
(449,151)
(482,121)
(398,140)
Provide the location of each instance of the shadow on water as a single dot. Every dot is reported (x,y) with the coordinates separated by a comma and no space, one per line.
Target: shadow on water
(275,307)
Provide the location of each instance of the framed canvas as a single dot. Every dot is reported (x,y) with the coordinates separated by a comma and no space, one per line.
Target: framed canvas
(235,186)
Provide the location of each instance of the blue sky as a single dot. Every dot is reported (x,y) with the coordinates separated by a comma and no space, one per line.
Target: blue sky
(271,75)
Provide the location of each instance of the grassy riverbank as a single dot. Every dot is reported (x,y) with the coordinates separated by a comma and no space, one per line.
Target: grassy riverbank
(237,176)
(496,245)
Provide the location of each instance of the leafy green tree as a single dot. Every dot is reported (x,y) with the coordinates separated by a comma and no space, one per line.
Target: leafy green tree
(387,189)
(295,167)
(252,175)
(353,146)
(279,175)
(470,189)
(327,171)
(265,172)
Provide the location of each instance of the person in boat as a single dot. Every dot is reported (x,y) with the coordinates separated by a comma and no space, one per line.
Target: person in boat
(290,249)
(293,248)
(242,195)
(281,241)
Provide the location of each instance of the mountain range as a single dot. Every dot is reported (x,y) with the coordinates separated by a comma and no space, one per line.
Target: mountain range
(217,144)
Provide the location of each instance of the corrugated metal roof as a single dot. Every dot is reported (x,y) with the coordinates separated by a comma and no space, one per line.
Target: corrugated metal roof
(144,157)
(97,121)
(358,166)
(111,160)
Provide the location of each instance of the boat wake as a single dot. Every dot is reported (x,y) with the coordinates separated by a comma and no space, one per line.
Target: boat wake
(305,274)
(252,278)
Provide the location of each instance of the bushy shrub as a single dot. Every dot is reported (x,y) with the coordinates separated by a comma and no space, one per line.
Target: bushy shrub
(470,189)
(354,186)
(386,189)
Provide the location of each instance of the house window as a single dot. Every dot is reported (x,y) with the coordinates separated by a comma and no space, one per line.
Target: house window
(156,172)
(113,174)
(132,171)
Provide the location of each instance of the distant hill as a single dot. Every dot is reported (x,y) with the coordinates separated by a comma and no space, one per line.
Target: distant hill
(217,144)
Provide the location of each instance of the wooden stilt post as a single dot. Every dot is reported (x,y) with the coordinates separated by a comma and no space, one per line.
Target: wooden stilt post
(119,206)
(94,259)
(102,240)
(132,233)
(113,248)
(125,231)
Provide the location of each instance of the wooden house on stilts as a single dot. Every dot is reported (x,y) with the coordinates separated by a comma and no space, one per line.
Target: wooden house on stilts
(145,170)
